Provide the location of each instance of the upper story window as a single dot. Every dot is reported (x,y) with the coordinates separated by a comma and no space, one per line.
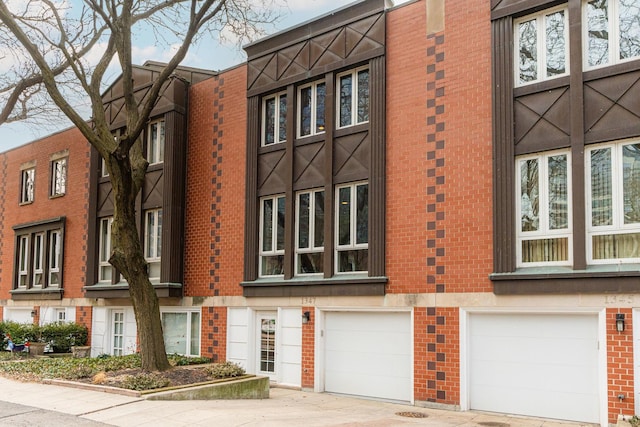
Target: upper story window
(542,46)
(155,142)
(613,193)
(353,102)
(27,186)
(59,177)
(612,31)
(310,232)
(272,236)
(543,187)
(274,119)
(105,272)
(153,241)
(352,227)
(311,103)
(39,256)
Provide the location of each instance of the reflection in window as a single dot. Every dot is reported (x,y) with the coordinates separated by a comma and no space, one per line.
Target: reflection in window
(352,228)
(274,124)
(310,232)
(155,142)
(181,333)
(59,177)
(353,104)
(27,185)
(104,268)
(153,241)
(311,101)
(272,236)
(612,31)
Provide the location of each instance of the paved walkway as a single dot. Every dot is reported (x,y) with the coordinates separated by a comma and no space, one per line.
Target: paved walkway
(284,408)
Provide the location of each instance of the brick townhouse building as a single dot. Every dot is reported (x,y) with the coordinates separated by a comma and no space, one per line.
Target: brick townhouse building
(434,203)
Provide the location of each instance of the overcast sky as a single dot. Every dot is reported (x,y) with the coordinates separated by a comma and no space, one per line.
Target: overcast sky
(208,54)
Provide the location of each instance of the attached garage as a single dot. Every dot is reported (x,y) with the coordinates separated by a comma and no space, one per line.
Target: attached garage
(368,354)
(542,365)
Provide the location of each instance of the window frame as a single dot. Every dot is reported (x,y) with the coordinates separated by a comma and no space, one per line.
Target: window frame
(33,259)
(277,137)
(104,224)
(27,177)
(354,97)
(189,336)
(353,224)
(618,226)
(155,146)
(153,254)
(544,231)
(24,250)
(613,41)
(541,45)
(314,109)
(312,248)
(59,177)
(274,251)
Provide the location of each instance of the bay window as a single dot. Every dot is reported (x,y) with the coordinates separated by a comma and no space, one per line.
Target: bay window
(353,102)
(310,232)
(543,187)
(272,236)
(274,119)
(311,103)
(613,191)
(352,227)
(38,257)
(153,241)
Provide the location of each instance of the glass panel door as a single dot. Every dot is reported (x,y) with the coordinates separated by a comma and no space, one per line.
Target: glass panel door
(266,344)
(118,333)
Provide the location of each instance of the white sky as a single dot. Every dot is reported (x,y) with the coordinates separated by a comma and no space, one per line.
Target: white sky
(208,54)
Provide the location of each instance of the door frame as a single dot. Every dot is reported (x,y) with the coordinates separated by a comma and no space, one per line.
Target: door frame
(259,315)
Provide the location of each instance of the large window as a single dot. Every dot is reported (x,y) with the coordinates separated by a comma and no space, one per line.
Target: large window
(353,102)
(612,31)
(39,256)
(542,47)
(310,232)
(58,177)
(153,241)
(613,191)
(155,142)
(543,189)
(352,227)
(181,332)
(28,179)
(311,102)
(105,272)
(274,119)
(272,236)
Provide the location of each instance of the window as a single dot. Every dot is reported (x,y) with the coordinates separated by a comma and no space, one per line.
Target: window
(155,142)
(310,232)
(274,119)
(612,31)
(353,103)
(59,177)
(117,324)
(543,187)
(104,270)
(153,241)
(181,332)
(352,227)
(39,255)
(542,45)
(60,315)
(272,236)
(613,193)
(27,185)
(311,100)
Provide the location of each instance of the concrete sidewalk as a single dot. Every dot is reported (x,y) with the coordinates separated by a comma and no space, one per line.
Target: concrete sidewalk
(284,408)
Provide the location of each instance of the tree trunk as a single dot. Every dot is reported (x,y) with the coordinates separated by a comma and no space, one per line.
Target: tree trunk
(128,257)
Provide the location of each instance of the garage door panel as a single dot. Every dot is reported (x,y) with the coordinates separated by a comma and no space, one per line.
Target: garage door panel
(368,354)
(534,364)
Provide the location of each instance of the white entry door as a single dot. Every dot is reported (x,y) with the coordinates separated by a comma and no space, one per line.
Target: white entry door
(266,344)
(369,354)
(542,365)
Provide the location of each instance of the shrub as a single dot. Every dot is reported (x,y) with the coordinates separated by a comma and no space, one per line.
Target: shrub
(179,360)
(225,370)
(64,335)
(145,382)
(19,332)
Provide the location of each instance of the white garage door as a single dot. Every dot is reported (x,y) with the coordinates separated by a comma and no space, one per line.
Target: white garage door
(368,354)
(543,365)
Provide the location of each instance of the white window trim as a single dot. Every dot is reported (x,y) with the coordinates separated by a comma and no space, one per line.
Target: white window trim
(541,45)
(543,229)
(353,221)
(613,41)
(54,253)
(312,227)
(155,152)
(28,175)
(314,107)
(102,260)
(276,127)
(118,351)
(23,260)
(59,177)
(154,256)
(274,234)
(354,97)
(189,337)
(617,189)
(38,258)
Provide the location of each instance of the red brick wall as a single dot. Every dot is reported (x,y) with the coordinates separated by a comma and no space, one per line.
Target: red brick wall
(84,316)
(620,371)
(73,205)
(308,349)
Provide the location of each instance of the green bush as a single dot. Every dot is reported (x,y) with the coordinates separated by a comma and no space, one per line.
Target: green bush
(19,332)
(145,382)
(179,360)
(225,370)
(62,335)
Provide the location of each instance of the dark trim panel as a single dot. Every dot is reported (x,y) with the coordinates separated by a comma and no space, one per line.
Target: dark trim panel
(37,294)
(569,283)
(377,169)
(163,290)
(370,286)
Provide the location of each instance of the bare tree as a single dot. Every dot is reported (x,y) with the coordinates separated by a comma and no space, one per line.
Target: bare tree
(56,38)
